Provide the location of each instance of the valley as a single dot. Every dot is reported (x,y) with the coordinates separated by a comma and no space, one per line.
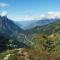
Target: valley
(35,42)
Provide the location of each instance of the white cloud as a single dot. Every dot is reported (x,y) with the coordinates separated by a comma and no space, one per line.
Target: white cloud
(3,5)
(53,15)
(26,17)
(48,15)
(4,13)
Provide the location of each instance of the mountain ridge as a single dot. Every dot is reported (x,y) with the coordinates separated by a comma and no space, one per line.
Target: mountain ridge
(33,23)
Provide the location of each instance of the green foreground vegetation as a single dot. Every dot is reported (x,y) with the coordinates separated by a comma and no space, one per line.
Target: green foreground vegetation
(42,48)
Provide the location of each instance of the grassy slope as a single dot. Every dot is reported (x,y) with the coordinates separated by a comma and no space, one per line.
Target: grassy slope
(28,54)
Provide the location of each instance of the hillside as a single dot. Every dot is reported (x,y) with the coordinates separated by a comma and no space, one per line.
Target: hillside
(40,42)
(8,27)
(9,34)
(46,29)
(40,34)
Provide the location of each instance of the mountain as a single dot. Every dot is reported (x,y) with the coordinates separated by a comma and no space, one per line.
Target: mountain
(8,27)
(46,36)
(13,36)
(33,23)
(47,29)
(40,23)
(9,34)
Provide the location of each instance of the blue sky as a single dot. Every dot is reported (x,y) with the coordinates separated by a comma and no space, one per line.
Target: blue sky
(20,9)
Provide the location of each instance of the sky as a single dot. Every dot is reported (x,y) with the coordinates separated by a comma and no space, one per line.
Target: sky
(29,9)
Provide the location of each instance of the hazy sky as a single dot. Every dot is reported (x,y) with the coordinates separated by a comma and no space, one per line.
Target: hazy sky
(28,9)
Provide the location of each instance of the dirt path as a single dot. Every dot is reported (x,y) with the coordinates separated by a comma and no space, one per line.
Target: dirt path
(7,57)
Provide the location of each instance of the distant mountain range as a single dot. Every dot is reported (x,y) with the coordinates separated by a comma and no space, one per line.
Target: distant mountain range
(33,23)
(47,29)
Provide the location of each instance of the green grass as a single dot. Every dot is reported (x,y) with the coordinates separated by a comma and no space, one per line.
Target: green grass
(12,52)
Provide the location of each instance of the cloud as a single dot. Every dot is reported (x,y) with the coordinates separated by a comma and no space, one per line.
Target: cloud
(48,15)
(3,5)
(53,15)
(26,17)
(4,13)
